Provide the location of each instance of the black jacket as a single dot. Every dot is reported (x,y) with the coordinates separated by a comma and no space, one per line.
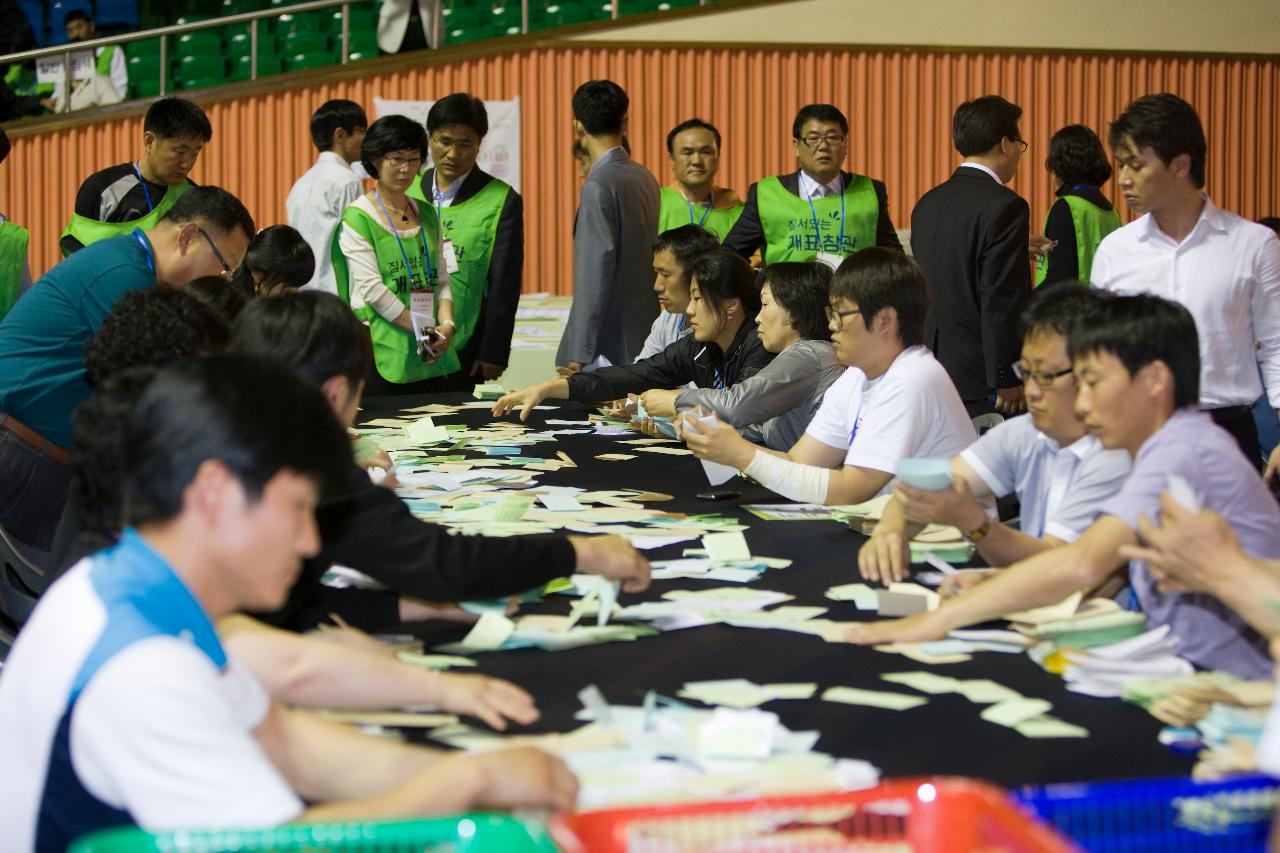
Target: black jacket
(747,233)
(687,360)
(969,235)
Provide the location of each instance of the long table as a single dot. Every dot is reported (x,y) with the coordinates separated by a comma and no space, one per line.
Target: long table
(945,736)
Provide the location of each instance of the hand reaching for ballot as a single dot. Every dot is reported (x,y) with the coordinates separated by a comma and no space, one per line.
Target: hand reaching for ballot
(614,558)
(660,402)
(526,398)
(490,699)
(920,628)
(885,557)
(622,410)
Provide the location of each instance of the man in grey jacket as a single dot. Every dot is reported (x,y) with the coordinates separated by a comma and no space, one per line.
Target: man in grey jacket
(617,221)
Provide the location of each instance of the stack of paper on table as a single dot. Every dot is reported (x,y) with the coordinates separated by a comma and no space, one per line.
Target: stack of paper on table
(1105,670)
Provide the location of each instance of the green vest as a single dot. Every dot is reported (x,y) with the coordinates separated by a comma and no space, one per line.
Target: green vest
(88,230)
(103,65)
(1092,223)
(13,257)
(788,221)
(675,210)
(472,227)
(395,351)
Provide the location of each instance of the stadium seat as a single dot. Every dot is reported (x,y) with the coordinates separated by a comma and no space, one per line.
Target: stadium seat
(294,43)
(268,64)
(302,61)
(197,72)
(199,43)
(144,74)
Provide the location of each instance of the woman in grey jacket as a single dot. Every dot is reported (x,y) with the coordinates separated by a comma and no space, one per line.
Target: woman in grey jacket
(774,406)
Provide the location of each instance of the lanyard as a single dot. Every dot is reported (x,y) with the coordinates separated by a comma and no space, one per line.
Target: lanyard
(436,195)
(705,213)
(145,191)
(817,233)
(146,248)
(426,255)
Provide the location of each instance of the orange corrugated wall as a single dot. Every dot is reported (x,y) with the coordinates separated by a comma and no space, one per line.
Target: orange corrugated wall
(899,103)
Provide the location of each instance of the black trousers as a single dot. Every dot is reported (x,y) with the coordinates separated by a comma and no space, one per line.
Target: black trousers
(1238,420)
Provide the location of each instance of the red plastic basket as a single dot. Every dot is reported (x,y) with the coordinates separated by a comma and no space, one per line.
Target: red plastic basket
(944,815)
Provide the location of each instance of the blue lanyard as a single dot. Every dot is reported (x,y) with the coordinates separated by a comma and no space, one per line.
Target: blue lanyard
(705,213)
(145,191)
(426,255)
(436,195)
(679,323)
(719,380)
(816,232)
(146,248)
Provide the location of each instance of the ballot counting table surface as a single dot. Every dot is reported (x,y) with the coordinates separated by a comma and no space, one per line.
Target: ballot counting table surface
(943,737)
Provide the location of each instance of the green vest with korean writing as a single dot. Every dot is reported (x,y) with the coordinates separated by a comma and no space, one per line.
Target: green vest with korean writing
(790,233)
(13,257)
(103,65)
(675,210)
(89,231)
(472,227)
(395,350)
(1091,223)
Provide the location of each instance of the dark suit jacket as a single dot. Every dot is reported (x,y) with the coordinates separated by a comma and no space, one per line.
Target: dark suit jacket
(747,234)
(969,235)
(491,340)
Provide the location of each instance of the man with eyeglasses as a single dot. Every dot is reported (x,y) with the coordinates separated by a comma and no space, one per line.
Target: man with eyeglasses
(1060,474)
(482,225)
(818,210)
(42,373)
(970,234)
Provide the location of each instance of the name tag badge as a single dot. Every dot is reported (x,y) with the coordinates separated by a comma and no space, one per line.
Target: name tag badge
(830,259)
(450,257)
(422,310)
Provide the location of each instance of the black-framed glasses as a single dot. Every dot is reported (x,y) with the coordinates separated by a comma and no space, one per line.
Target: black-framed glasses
(1044,380)
(814,141)
(836,318)
(226,267)
(1022,144)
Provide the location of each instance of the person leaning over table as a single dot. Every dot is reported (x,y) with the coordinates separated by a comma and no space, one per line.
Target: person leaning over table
(369,528)
(722,350)
(817,209)
(388,263)
(673,255)
(119,704)
(894,403)
(278,259)
(1137,369)
(482,225)
(774,406)
(42,374)
(1060,473)
(1081,216)
(693,197)
(116,200)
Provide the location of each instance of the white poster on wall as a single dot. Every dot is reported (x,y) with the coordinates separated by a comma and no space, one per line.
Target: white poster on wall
(500,151)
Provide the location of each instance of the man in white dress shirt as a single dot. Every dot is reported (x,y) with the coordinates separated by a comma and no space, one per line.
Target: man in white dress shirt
(316,202)
(1223,268)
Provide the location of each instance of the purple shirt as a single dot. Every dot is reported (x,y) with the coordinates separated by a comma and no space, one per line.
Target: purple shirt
(1210,634)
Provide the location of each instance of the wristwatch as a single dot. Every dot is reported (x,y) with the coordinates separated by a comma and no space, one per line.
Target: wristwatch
(980,532)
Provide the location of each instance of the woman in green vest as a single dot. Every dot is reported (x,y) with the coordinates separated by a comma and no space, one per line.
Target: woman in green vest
(387,261)
(1081,216)
(693,198)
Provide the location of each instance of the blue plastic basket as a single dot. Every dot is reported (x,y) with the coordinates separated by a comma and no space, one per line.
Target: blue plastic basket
(1160,814)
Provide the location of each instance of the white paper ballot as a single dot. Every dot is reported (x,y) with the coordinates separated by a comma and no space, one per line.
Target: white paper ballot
(717,474)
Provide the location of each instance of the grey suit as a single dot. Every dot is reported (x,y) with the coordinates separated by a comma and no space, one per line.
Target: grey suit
(613,301)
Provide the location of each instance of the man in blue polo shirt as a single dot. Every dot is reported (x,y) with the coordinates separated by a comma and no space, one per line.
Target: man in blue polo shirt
(1138,373)
(42,340)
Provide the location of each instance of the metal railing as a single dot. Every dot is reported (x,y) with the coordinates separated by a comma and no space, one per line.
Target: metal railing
(251,18)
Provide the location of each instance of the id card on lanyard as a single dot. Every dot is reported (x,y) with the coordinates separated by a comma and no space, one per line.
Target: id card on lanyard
(422,300)
(447,254)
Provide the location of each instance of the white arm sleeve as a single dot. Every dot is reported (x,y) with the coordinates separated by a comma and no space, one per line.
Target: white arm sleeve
(366,278)
(804,483)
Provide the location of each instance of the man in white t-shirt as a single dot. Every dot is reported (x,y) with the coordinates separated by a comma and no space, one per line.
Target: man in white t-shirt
(316,202)
(897,403)
(119,704)
(1060,474)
